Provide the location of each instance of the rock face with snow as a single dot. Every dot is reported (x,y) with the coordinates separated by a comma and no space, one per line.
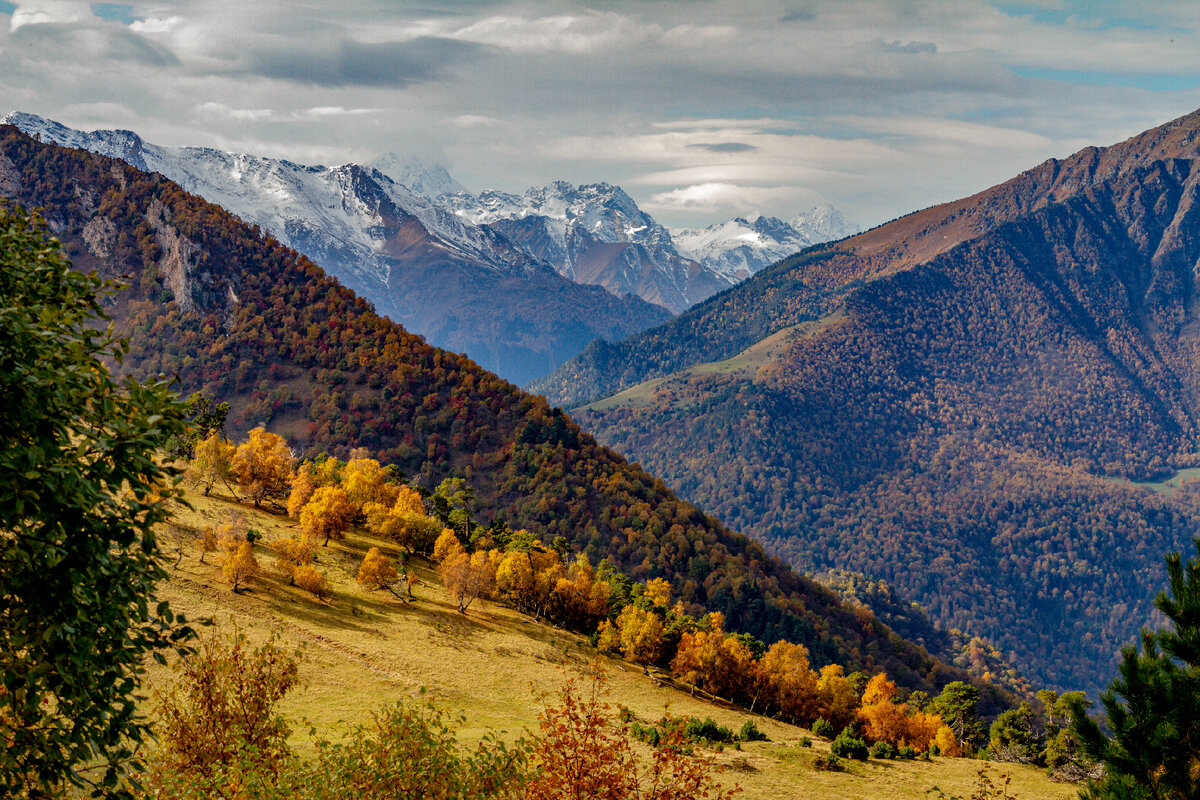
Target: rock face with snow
(464,286)
(595,233)
(742,246)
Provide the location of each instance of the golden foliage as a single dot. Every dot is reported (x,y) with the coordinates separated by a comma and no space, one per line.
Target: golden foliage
(786,681)
(263,465)
(211,462)
(291,553)
(312,580)
(365,481)
(240,566)
(658,592)
(836,699)
(327,513)
(303,486)
(377,571)
(641,635)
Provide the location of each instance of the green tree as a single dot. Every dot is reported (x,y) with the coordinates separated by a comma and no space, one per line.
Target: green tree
(81,489)
(958,706)
(1153,705)
(1015,736)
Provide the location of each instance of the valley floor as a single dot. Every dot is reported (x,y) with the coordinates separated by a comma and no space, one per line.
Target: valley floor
(363,650)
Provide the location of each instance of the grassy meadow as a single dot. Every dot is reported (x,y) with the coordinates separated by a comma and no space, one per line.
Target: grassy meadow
(364,649)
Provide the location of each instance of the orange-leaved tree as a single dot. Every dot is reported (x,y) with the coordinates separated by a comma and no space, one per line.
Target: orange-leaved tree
(377,571)
(583,754)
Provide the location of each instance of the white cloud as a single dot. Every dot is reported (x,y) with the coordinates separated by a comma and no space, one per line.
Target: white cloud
(42,12)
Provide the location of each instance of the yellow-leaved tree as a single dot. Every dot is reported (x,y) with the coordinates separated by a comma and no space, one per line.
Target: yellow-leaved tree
(240,566)
(303,486)
(211,463)
(263,466)
(292,553)
(327,514)
(786,683)
(641,635)
(365,481)
(404,521)
(377,571)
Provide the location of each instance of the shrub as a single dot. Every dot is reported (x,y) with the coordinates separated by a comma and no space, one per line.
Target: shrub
(823,728)
(907,753)
(310,580)
(847,745)
(829,763)
(805,742)
(883,750)
(706,730)
(751,733)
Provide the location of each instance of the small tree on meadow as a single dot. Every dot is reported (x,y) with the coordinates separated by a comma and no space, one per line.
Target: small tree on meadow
(240,566)
(377,571)
(263,466)
(212,463)
(583,753)
(327,514)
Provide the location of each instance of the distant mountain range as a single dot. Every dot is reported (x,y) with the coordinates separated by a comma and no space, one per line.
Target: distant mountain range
(509,280)
(979,403)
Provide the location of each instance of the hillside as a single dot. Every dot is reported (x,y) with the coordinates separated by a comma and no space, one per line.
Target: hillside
(363,650)
(959,404)
(237,315)
(465,287)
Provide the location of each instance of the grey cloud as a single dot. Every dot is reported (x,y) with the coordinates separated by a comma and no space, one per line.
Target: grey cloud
(103,42)
(799,15)
(911,48)
(725,147)
(394,64)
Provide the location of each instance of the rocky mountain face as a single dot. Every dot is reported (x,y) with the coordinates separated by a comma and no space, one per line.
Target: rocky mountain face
(465,287)
(980,403)
(596,233)
(237,315)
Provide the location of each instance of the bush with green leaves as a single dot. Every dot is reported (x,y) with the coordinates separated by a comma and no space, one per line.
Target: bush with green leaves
(883,750)
(81,490)
(706,730)
(824,728)
(847,745)
(751,733)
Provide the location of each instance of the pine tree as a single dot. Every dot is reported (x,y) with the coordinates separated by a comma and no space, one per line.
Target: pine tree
(1153,705)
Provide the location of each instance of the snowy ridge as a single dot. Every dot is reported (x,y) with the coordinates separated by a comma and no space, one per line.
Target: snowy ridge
(594,233)
(742,246)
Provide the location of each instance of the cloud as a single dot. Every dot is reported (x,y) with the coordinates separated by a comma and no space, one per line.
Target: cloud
(270,115)
(352,63)
(725,147)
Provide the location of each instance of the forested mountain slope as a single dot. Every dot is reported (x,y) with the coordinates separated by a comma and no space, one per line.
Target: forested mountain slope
(955,402)
(245,319)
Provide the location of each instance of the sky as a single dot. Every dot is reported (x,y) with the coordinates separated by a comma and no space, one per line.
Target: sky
(700,109)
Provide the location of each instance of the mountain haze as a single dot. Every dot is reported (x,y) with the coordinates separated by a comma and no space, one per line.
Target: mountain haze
(959,402)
